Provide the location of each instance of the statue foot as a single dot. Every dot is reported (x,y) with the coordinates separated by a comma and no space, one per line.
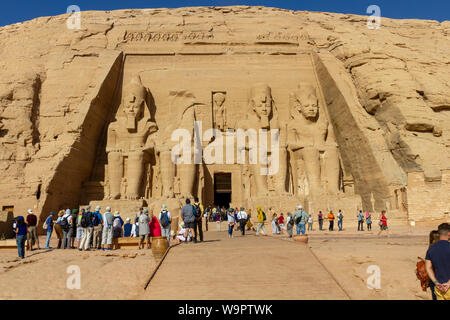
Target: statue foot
(114,197)
(132,197)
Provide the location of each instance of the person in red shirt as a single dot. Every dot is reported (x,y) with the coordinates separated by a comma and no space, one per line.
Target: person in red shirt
(383,222)
(281,222)
(155,228)
(32,236)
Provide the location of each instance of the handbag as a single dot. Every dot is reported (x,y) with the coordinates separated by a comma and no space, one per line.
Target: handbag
(422,274)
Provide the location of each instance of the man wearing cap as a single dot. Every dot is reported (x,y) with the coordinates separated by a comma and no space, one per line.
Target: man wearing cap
(107,233)
(165,219)
(96,227)
(300,220)
(32,231)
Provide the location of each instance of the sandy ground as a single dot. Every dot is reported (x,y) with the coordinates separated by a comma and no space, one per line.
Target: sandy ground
(116,274)
(243,268)
(348,259)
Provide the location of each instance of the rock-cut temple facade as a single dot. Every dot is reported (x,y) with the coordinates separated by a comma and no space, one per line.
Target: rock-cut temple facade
(144,107)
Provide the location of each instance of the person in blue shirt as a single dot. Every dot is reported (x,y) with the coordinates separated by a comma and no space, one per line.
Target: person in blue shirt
(21,235)
(437,263)
(49,223)
(127,228)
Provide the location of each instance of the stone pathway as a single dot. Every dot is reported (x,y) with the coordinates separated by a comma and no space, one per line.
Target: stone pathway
(248,268)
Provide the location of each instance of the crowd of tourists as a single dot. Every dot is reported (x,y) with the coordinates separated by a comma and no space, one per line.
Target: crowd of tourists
(91,230)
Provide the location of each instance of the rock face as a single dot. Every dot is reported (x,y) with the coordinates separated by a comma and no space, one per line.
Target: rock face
(362,115)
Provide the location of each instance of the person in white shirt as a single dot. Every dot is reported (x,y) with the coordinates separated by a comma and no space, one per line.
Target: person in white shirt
(181,236)
(165,220)
(242,218)
(310,222)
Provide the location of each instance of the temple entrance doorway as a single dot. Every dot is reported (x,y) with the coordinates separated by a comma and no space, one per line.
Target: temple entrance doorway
(222,189)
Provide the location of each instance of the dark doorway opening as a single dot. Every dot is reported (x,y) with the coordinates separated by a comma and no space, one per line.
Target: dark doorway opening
(222,189)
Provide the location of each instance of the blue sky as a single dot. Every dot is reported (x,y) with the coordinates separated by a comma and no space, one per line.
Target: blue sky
(17,11)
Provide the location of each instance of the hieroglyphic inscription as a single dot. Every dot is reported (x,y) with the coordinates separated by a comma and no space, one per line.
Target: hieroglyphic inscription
(277,36)
(151,36)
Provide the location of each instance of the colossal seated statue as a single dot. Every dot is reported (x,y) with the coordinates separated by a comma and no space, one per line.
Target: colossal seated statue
(309,135)
(129,136)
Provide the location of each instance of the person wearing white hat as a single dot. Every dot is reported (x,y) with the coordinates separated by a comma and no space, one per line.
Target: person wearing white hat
(127,228)
(165,219)
(107,234)
(299,218)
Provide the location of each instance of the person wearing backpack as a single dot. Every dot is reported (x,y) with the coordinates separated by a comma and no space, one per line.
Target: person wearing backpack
(86,224)
(303,220)
(261,220)
(107,233)
(97,227)
(298,218)
(48,226)
(198,225)
(65,226)
(165,219)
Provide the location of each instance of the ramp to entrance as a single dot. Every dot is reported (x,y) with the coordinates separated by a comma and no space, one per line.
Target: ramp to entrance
(242,268)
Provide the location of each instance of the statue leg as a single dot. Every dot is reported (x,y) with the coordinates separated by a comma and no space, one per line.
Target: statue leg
(311,159)
(280,176)
(260,181)
(187,174)
(135,172)
(332,169)
(115,173)
(167,173)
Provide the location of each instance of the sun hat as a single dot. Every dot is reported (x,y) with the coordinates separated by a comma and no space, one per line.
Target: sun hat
(108,209)
(97,208)
(116,214)
(163,207)
(128,220)
(30,211)
(299,207)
